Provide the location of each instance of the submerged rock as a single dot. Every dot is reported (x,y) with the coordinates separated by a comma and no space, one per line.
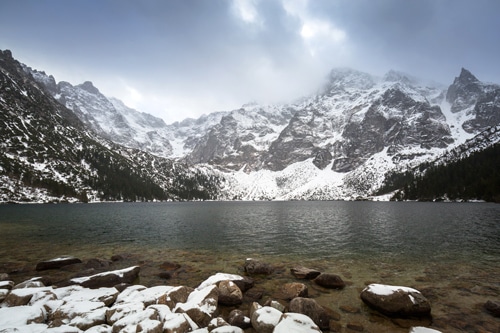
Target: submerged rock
(313,310)
(56,263)
(294,289)
(301,272)
(329,280)
(493,307)
(254,266)
(396,300)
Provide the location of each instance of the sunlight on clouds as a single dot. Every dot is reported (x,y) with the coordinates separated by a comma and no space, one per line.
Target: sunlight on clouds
(246,10)
(133,97)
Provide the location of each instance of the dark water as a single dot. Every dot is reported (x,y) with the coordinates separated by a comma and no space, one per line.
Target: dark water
(418,231)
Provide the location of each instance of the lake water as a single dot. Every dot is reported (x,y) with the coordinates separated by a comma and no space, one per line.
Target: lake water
(449,248)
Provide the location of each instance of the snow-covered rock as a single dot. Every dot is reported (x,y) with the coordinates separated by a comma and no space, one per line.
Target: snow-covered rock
(396,300)
(296,323)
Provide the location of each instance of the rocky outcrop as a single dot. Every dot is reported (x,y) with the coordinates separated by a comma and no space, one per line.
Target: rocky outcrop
(396,300)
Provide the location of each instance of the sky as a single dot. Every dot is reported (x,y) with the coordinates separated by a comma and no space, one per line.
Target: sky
(184,58)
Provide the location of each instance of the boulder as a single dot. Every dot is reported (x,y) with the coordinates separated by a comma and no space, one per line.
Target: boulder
(237,318)
(32,283)
(57,263)
(396,300)
(122,310)
(217,322)
(177,323)
(309,307)
(421,329)
(200,305)
(23,296)
(328,280)
(301,272)
(265,319)
(16,317)
(3,294)
(7,284)
(253,266)
(493,307)
(176,295)
(108,279)
(227,329)
(296,322)
(294,289)
(229,293)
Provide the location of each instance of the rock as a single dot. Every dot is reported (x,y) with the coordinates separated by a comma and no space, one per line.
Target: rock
(200,305)
(493,307)
(313,310)
(294,289)
(335,326)
(253,295)
(243,282)
(56,263)
(328,280)
(4,276)
(77,293)
(147,296)
(296,322)
(420,329)
(6,284)
(120,311)
(96,263)
(355,326)
(229,293)
(253,266)
(108,279)
(178,323)
(396,300)
(216,322)
(301,272)
(16,317)
(265,319)
(349,309)
(143,321)
(23,296)
(82,314)
(170,266)
(237,318)
(3,294)
(32,283)
(227,329)
(176,295)
(103,328)
(275,304)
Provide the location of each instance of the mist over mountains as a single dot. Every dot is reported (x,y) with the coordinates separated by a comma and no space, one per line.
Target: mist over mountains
(58,139)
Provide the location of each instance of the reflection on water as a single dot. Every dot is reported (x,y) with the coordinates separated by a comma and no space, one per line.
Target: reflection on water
(450,251)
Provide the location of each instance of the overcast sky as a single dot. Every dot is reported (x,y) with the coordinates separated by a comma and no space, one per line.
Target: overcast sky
(183,58)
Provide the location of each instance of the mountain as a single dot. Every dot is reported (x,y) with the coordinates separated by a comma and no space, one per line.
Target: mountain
(49,154)
(341,143)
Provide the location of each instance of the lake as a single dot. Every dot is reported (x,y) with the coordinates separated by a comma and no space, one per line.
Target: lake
(452,249)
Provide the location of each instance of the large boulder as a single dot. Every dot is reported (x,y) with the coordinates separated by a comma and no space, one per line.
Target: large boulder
(237,318)
(396,300)
(56,263)
(81,314)
(108,279)
(329,280)
(243,282)
(309,307)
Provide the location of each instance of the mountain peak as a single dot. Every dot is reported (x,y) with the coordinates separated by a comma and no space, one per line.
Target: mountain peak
(349,78)
(466,77)
(396,76)
(89,87)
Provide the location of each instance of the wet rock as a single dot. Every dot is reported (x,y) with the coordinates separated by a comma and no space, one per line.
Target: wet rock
(97,263)
(237,318)
(493,307)
(253,266)
(229,293)
(328,280)
(301,272)
(57,263)
(313,310)
(265,319)
(349,309)
(335,326)
(296,322)
(108,279)
(358,327)
(396,300)
(294,289)
(253,295)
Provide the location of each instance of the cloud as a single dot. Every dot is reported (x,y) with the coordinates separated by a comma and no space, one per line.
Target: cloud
(246,10)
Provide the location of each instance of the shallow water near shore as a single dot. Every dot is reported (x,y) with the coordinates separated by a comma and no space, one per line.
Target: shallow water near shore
(449,251)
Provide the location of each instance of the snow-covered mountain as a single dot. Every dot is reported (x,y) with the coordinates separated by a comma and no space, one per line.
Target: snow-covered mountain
(48,154)
(337,144)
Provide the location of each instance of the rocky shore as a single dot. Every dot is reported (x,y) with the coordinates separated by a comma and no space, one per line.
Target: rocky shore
(70,295)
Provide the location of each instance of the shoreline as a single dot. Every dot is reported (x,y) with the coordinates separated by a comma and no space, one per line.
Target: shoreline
(462,296)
